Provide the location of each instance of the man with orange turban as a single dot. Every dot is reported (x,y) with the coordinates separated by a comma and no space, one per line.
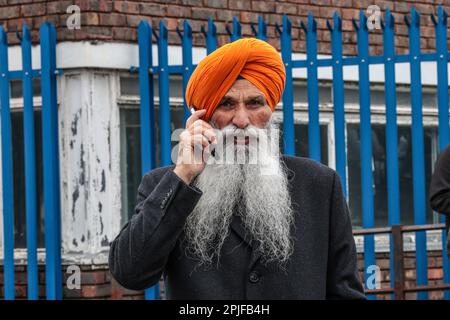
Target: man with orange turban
(242,222)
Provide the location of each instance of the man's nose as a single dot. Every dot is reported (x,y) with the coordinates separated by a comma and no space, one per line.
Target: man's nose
(240,118)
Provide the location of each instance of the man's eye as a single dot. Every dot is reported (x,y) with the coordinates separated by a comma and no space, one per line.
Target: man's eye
(255,103)
(225,104)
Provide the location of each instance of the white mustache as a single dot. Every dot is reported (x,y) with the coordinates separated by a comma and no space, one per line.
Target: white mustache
(230,132)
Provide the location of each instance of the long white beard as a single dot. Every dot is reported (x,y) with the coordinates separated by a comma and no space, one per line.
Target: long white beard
(258,189)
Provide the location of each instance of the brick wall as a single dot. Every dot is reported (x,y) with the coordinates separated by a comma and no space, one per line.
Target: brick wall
(97,283)
(117,20)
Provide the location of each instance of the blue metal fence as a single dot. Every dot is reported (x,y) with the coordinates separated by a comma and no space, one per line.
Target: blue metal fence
(147,70)
(312,63)
(47,75)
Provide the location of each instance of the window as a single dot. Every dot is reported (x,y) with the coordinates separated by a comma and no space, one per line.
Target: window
(18,157)
(131,154)
(379,172)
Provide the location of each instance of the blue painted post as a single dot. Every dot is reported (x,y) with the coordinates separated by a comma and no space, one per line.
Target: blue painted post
(338,100)
(7,172)
(313,88)
(186,41)
(368,217)
(261,33)
(52,208)
(164,106)
(30,165)
(147,111)
(236,33)
(210,35)
(391,129)
(288,98)
(443,104)
(417,149)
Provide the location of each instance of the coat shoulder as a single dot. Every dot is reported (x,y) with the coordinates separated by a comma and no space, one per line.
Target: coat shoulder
(309,170)
(157,173)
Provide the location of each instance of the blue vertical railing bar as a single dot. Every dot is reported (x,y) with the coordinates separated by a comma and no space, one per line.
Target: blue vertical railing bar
(338,100)
(52,207)
(235,34)
(288,97)
(210,36)
(186,44)
(7,172)
(418,150)
(443,112)
(30,167)
(312,88)
(164,105)
(391,128)
(146,91)
(147,111)
(261,33)
(368,217)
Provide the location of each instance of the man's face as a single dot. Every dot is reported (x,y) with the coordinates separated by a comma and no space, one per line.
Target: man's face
(243,105)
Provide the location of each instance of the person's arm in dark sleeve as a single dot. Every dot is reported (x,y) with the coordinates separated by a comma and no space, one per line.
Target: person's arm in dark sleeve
(343,281)
(440,184)
(139,253)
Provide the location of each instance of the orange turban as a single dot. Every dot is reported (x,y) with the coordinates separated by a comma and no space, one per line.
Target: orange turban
(253,59)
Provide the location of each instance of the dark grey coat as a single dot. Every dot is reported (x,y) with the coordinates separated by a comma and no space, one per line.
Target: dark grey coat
(323,265)
(440,189)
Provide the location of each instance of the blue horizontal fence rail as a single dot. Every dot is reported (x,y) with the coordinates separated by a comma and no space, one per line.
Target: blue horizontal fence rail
(312,63)
(47,75)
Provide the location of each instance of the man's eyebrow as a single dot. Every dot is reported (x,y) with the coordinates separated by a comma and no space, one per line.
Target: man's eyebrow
(257,97)
(227,98)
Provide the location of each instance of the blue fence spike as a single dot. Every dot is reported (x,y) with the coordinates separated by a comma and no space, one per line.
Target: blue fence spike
(312,24)
(329,25)
(407,22)
(155,34)
(391,131)
(443,113)
(355,24)
(288,98)
(337,21)
(210,35)
(227,28)
(52,205)
(415,17)
(313,91)
(163,32)
(30,166)
(362,20)
(303,26)
(187,62)
(367,199)
(26,32)
(338,101)
(278,29)
(262,29)
(7,172)
(443,15)
(418,149)
(179,32)
(252,26)
(147,112)
(234,34)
